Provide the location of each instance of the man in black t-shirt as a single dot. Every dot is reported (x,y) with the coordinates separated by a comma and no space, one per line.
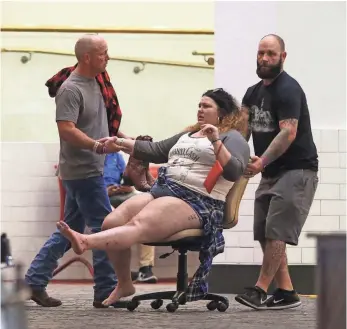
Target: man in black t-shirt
(286,156)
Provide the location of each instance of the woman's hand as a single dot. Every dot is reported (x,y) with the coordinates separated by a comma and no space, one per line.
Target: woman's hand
(210,131)
(109,145)
(116,144)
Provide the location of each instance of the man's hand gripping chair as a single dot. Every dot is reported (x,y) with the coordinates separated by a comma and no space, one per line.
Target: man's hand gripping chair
(190,240)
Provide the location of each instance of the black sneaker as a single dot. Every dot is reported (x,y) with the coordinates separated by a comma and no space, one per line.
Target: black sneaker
(254,297)
(134,275)
(146,275)
(282,299)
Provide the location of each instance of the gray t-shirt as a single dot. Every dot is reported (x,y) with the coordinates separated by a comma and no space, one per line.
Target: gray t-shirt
(79,100)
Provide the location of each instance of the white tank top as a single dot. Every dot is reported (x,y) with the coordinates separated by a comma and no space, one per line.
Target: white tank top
(189,163)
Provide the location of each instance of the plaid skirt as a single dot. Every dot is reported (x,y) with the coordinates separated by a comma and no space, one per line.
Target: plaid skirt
(211,213)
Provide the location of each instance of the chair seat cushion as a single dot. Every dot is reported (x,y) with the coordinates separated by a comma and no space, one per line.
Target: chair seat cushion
(185,239)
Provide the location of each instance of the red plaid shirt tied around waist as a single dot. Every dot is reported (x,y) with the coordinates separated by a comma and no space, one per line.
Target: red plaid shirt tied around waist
(114,112)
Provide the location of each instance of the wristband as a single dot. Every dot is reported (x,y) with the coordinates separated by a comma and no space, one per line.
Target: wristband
(96,145)
(121,140)
(216,140)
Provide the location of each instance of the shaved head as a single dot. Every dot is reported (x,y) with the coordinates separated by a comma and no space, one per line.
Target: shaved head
(278,39)
(87,44)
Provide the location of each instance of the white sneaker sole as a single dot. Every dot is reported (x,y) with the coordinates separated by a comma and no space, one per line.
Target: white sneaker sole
(283,307)
(247,303)
(151,279)
(264,307)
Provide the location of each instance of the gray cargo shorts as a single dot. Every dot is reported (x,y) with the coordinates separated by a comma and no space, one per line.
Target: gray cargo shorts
(282,205)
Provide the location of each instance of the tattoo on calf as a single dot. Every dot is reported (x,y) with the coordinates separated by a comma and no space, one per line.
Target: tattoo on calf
(274,252)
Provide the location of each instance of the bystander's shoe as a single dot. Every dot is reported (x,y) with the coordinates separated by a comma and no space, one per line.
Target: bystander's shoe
(40,297)
(146,275)
(134,276)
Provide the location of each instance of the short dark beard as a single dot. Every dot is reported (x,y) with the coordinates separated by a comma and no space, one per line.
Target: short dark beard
(272,73)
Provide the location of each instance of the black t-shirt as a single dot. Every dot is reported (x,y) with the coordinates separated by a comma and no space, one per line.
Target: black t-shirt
(282,99)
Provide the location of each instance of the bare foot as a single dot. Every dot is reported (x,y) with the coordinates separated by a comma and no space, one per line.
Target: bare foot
(77,241)
(118,293)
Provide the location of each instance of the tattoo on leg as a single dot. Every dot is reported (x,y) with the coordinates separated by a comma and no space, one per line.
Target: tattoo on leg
(193,217)
(282,141)
(274,253)
(285,259)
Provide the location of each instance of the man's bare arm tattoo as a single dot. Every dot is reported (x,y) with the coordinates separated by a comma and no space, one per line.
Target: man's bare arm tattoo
(282,141)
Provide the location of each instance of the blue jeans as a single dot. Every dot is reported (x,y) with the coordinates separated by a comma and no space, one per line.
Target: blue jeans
(86,203)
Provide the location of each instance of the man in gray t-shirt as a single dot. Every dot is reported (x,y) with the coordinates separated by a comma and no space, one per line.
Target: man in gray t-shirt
(82,120)
(79,102)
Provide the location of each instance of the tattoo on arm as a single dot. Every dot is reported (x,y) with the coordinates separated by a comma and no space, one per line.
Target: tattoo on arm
(282,141)
(273,255)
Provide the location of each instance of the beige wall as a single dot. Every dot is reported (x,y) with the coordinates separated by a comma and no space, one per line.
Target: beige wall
(158,101)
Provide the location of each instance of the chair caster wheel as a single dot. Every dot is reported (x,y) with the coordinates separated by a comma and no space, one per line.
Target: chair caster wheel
(222,307)
(132,305)
(172,307)
(156,304)
(212,305)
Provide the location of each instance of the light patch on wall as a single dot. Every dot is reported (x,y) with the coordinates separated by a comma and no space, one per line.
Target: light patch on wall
(316,50)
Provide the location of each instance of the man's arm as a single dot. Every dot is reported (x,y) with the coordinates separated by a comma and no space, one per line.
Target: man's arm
(69,133)
(282,141)
(67,111)
(289,113)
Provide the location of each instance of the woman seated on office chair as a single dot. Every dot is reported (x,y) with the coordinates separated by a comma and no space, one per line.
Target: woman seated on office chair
(184,196)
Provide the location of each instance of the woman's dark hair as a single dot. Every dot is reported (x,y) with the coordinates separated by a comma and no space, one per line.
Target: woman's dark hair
(227,104)
(231,115)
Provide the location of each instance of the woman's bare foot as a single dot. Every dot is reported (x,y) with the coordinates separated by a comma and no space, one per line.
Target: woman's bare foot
(78,243)
(118,293)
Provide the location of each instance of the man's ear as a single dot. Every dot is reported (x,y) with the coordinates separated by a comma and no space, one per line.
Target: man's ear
(284,56)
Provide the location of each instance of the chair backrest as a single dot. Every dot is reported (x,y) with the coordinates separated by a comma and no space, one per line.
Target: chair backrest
(232,204)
